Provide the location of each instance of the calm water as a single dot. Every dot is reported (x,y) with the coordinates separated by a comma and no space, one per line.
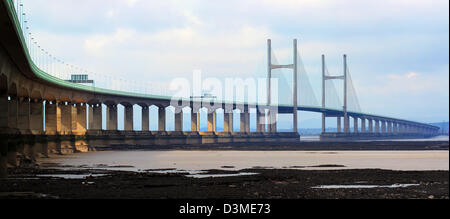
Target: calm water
(236,160)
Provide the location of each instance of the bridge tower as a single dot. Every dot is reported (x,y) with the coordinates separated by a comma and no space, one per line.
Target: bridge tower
(294,68)
(341,77)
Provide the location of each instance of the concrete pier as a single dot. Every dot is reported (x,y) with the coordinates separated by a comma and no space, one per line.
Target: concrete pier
(111,117)
(346,124)
(195,119)
(389,127)
(81,118)
(383,126)
(228,122)
(179,121)
(51,122)
(212,126)
(95,117)
(260,120)
(245,122)
(339,124)
(65,118)
(272,118)
(128,117)
(355,124)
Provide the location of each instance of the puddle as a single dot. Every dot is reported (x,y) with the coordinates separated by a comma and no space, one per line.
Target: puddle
(200,176)
(364,186)
(190,172)
(70,176)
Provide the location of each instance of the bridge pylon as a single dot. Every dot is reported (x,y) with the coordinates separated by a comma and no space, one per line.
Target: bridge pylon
(294,68)
(345,106)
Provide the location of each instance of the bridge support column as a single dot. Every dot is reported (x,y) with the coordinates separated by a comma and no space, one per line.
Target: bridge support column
(377,126)
(389,124)
(363,125)
(397,128)
(162,119)
(272,117)
(36,116)
(24,115)
(370,125)
(212,121)
(260,120)
(339,124)
(195,118)
(383,127)
(111,117)
(51,121)
(13,105)
(80,116)
(95,117)
(179,121)
(245,120)
(228,122)
(145,118)
(324,123)
(346,124)
(129,122)
(65,118)
(355,124)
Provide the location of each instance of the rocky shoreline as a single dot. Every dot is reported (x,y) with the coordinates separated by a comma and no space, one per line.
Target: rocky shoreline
(46,183)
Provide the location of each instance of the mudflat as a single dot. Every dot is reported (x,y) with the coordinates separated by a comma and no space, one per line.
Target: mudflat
(45,183)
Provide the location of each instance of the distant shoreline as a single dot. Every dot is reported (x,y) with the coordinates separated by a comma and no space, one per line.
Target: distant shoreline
(297,146)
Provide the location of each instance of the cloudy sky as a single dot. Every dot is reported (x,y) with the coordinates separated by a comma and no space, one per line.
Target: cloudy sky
(398,49)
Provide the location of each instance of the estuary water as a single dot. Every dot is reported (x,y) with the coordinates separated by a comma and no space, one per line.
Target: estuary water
(237,160)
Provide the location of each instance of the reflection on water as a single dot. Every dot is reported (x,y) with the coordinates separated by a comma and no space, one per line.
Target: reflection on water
(204,160)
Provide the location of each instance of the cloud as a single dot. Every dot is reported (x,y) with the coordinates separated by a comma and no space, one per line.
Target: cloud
(96,44)
(398,49)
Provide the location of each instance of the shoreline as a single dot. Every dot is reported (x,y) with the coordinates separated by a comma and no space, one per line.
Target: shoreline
(296,146)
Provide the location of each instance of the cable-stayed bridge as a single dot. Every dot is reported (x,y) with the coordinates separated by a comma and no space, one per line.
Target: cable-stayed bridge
(44,98)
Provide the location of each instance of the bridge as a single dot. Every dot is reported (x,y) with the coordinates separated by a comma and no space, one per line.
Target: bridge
(42,112)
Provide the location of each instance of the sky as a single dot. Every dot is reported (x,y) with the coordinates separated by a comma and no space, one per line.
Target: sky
(398,49)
